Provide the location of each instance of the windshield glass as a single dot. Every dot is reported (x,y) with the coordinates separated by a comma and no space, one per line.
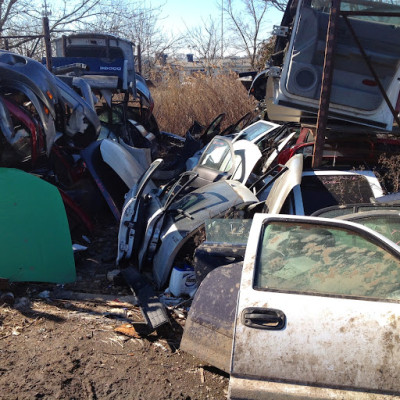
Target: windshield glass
(255,130)
(218,156)
(233,231)
(337,211)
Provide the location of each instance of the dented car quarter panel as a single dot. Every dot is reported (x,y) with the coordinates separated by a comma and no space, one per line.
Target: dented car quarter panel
(331,346)
(121,161)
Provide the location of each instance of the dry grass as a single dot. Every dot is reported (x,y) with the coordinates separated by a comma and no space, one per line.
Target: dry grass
(181,101)
(389,172)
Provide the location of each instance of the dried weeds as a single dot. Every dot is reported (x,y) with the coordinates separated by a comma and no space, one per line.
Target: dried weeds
(182,99)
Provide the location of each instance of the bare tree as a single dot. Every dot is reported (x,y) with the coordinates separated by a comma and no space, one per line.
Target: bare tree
(246,20)
(146,31)
(10,13)
(278,4)
(72,15)
(205,41)
(140,23)
(23,18)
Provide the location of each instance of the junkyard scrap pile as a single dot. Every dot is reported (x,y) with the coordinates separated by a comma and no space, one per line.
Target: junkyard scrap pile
(284,276)
(66,330)
(66,342)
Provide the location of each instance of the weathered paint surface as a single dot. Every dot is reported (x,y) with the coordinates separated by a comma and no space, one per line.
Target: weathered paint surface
(208,330)
(121,161)
(284,184)
(330,346)
(255,390)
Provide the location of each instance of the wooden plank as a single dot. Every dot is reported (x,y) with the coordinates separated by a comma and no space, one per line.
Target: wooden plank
(61,294)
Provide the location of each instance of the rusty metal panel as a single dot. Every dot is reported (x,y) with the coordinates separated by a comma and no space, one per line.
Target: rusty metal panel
(209,327)
(326,85)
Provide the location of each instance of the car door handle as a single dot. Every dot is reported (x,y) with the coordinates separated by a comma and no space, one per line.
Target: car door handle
(264,318)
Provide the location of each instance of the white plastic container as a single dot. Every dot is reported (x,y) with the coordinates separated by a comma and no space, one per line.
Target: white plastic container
(182,281)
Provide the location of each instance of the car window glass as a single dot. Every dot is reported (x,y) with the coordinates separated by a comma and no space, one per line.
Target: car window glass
(94,51)
(337,211)
(254,130)
(194,203)
(233,231)
(313,258)
(218,156)
(365,5)
(115,117)
(320,191)
(388,226)
(190,201)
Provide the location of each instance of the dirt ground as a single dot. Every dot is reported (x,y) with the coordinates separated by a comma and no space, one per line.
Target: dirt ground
(69,349)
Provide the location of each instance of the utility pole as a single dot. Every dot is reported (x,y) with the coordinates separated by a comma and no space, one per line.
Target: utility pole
(46,35)
(47,43)
(139,58)
(222,30)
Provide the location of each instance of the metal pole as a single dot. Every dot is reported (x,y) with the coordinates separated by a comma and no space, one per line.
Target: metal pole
(47,44)
(326,83)
(222,29)
(139,58)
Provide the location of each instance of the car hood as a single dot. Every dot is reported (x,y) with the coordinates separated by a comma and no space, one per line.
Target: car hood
(207,202)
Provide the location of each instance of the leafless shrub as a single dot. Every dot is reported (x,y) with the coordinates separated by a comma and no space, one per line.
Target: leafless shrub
(389,171)
(181,99)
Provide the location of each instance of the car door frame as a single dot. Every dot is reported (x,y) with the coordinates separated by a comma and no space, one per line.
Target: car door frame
(250,386)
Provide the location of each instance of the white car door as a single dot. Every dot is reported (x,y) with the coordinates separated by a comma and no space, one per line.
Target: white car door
(318,312)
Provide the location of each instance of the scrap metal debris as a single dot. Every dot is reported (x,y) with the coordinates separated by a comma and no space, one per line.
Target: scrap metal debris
(127,330)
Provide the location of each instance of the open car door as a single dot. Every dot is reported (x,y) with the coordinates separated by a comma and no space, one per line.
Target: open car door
(364,26)
(318,312)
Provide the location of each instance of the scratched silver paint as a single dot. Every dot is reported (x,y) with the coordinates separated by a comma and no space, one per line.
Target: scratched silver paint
(329,342)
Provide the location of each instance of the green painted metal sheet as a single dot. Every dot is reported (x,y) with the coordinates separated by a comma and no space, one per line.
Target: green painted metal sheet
(35,241)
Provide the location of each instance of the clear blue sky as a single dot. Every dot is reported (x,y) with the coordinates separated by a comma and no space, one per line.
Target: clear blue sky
(190,12)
